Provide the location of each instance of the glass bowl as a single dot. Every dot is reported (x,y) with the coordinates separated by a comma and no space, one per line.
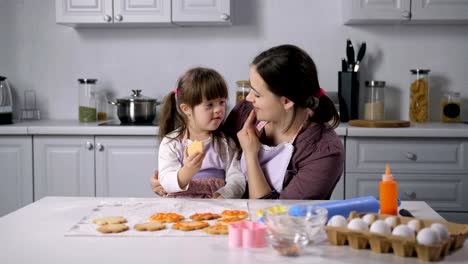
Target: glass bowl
(290,230)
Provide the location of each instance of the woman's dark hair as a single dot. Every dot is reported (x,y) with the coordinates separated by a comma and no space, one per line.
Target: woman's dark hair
(290,72)
(192,87)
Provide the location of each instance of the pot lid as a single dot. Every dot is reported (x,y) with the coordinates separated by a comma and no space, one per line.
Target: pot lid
(136,97)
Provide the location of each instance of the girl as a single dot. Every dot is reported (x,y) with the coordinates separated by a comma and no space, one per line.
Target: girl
(194,111)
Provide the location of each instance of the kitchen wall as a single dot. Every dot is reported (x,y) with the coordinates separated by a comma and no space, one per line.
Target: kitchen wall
(37,54)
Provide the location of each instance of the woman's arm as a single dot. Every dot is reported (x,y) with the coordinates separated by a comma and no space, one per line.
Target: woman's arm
(249,140)
(235,179)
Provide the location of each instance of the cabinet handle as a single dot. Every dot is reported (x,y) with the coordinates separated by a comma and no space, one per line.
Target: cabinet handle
(410,195)
(107,18)
(119,18)
(89,145)
(411,156)
(406,14)
(225,17)
(99,147)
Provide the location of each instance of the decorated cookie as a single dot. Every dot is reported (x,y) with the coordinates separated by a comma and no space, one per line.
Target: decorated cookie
(217,230)
(166,217)
(227,221)
(234,213)
(204,216)
(190,225)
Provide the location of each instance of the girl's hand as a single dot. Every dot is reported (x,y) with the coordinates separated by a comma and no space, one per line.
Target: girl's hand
(193,163)
(249,136)
(156,185)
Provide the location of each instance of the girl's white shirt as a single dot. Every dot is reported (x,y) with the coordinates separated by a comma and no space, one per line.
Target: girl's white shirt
(169,163)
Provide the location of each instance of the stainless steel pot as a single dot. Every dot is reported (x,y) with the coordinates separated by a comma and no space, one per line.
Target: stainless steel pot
(136,108)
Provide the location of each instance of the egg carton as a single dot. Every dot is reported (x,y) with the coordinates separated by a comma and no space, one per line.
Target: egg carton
(400,246)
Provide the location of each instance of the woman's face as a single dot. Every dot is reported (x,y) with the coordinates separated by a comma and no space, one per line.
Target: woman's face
(267,105)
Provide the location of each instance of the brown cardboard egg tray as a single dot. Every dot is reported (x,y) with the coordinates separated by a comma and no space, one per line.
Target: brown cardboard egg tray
(403,247)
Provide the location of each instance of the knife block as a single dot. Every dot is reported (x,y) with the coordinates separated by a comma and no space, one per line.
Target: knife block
(348,95)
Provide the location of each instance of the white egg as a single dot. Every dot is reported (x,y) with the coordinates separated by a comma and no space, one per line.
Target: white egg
(441,230)
(414,224)
(391,221)
(380,227)
(337,221)
(403,231)
(368,218)
(358,224)
(428,237)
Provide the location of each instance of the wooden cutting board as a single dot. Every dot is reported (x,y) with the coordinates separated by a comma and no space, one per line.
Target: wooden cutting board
(379,123)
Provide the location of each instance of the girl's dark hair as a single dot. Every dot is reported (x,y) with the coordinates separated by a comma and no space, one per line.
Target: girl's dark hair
(290,72)
(192,87)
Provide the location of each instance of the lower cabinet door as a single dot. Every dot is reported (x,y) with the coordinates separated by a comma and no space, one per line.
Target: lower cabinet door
(63,166)
(441,192)
(16,186)
(124,165)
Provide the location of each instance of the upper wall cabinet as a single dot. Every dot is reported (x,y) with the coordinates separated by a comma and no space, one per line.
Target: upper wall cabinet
(143,12)
(98,12)
(405,11)
(201,12)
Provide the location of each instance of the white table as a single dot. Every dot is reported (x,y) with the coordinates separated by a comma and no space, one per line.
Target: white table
(35,234)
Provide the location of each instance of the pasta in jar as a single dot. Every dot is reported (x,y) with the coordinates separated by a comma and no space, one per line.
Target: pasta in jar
(419,97)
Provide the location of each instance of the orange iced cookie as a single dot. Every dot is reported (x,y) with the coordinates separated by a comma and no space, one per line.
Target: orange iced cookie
(190,225)
(227,221)
(234,213)
(204,216)
(217,230)
(166,217)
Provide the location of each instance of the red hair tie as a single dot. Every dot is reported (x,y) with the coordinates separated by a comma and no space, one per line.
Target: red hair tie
(320,93)
(175,91)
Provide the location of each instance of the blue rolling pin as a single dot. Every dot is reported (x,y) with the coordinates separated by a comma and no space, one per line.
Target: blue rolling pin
(365,204)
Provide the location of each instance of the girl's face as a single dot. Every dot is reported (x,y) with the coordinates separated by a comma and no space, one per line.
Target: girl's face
(267,105)
(208,115)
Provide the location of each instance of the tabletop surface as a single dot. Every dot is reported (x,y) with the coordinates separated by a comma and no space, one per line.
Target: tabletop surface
(36,234)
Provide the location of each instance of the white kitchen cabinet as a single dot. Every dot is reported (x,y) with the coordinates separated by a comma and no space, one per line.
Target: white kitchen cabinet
(434,170)
(63,166)
(16,174)
(98,12)
(404,11)
(201,12)
(124,165)
(94,165)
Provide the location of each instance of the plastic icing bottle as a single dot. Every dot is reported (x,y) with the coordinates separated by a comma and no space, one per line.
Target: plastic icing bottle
(388,193)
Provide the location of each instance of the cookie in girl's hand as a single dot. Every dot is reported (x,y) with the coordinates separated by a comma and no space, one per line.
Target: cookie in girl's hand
(194,147)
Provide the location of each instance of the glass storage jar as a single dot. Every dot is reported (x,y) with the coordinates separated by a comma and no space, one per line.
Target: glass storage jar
(374,107)
(450,107)
(101,105)
(419,96)
(87,102)
(243,89)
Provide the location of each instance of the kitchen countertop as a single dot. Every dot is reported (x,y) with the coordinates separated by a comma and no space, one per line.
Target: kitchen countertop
(35,234)
(74,127)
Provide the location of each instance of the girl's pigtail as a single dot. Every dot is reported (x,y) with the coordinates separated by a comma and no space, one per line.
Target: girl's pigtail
(170,118)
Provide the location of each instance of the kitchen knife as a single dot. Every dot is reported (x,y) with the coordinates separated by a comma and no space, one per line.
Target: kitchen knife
(350,54)
(360,55)
(344,65)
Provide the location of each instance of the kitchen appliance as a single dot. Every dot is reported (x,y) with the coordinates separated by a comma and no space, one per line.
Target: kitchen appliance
(136,108)
(6,102)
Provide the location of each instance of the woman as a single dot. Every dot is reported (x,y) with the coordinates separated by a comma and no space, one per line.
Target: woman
(285,129)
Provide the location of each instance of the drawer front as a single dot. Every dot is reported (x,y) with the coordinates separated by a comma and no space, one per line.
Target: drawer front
(441,192)
(406,155)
